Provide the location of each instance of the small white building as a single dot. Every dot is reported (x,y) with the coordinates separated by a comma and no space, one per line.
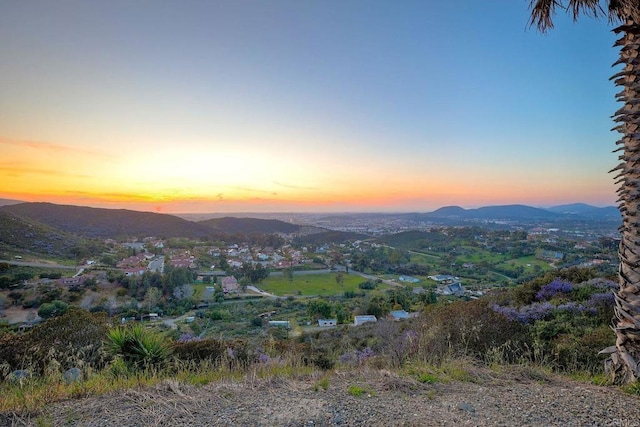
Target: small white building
(359,320)
(327,322)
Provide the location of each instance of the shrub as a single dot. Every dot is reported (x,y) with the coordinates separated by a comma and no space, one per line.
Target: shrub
(468,328)
(138,347)
(52,309)
(199,350)
(557,286)
(71,340)
(368,285)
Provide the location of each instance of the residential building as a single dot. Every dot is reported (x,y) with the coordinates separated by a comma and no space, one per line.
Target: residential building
(359,320)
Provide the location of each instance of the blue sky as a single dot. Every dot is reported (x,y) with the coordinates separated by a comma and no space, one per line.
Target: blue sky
(303,105)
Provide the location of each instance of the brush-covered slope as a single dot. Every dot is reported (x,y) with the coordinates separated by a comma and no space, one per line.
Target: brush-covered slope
(20,234)
(249,225)
(96,222)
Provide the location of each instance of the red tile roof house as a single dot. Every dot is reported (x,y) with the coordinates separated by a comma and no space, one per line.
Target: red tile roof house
(230,284)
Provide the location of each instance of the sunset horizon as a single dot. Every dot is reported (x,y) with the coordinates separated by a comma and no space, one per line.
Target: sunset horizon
(204,207)
(302,107)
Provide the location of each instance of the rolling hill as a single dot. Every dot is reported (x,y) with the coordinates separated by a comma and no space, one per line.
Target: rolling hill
(587,211)
(6,202)
(23,235)
(96,222)
(519,213)
(249,225)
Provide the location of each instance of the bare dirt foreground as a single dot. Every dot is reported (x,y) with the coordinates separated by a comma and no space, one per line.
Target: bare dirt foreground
(513,398)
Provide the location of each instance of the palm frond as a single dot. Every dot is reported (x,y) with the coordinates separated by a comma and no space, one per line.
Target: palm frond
(621,10)
(543,11)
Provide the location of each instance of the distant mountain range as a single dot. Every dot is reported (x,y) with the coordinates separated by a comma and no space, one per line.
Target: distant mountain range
(65,220)
(577,211)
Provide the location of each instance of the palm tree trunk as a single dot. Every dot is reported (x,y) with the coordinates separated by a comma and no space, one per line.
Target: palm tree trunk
(623,363)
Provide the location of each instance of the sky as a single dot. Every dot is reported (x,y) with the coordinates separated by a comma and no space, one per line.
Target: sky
(303,106)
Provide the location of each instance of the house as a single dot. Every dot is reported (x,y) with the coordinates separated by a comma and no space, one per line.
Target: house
(230,285)
(453,289)
(443,278)
(327,322)
(399,315)
(359,320)
(137,271)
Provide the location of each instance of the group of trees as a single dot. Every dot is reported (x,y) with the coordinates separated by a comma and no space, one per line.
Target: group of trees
(380,260)
(376,303)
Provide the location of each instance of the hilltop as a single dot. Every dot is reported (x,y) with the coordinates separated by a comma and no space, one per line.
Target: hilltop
(512,396)
(97,222)
(31,236)
(111,223)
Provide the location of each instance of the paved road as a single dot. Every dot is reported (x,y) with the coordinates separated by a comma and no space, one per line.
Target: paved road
(157,265)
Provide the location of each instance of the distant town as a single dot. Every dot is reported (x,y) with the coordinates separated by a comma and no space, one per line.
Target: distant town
(297,271)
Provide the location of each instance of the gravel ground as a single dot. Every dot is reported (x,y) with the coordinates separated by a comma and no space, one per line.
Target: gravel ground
(514,397)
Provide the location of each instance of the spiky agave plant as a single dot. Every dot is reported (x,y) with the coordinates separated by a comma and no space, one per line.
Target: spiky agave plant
(624,360)
(138,347)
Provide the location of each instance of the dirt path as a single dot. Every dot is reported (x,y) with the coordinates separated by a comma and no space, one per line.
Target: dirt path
(514,398)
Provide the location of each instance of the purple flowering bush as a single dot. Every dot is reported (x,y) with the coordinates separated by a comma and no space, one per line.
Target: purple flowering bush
(567,322)
(557,287)
(357,357)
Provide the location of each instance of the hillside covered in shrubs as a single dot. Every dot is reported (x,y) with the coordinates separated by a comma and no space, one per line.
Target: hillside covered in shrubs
(557,321)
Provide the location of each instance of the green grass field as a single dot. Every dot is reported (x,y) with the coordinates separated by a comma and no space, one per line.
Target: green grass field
(528,263)
(477,255)
(312,284)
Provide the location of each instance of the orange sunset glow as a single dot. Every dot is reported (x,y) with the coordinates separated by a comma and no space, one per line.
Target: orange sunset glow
(244,118)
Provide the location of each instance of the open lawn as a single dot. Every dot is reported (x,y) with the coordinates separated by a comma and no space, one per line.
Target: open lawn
(311,284)
(529,263)
(423,258)
(477,255)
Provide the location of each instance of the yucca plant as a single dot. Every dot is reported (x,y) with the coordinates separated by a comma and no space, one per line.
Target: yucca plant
(138,347)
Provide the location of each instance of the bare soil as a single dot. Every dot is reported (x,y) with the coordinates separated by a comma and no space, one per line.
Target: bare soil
(513,397)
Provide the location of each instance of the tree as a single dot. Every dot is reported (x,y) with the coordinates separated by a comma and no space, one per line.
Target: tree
(318,308)
(52,309)
(151,297)
(288,273)
(624,359)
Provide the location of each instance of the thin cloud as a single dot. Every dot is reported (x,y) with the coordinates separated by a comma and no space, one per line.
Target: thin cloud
(48,146)
(251,190)
(15,170)
(295,187)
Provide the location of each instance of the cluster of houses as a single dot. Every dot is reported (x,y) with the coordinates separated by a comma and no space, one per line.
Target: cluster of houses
(395,315)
